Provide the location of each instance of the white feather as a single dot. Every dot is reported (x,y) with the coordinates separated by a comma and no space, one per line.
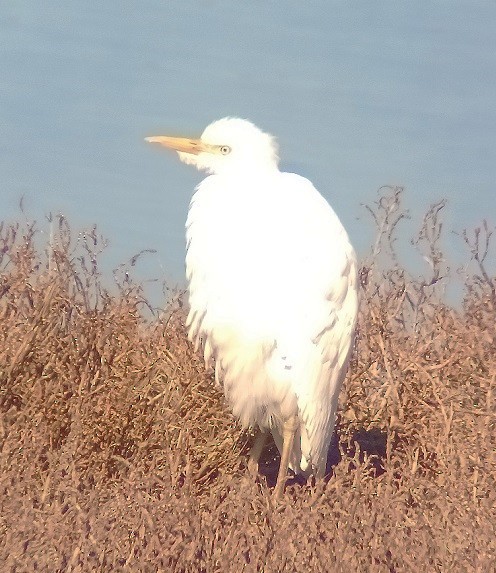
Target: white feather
(272,290)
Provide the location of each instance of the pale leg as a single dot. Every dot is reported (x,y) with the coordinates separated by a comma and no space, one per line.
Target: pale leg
(256,451)
(288,434)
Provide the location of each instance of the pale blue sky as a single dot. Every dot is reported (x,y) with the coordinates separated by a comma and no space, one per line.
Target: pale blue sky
(360,95)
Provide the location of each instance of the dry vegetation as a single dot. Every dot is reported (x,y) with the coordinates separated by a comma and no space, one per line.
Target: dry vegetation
(116,453)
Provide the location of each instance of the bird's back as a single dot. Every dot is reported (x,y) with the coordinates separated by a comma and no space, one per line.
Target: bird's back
(272,281)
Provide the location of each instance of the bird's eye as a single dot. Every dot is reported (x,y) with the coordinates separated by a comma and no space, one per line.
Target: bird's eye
(225,149)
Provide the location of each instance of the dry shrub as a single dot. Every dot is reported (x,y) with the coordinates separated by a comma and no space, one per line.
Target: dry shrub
(118,454)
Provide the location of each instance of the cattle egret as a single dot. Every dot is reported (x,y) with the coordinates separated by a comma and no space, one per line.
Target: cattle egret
(272,291)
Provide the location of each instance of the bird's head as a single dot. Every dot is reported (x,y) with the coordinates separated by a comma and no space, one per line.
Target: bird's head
(229,144)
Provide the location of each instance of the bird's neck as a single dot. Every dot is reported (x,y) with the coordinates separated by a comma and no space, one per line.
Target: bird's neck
(248,171)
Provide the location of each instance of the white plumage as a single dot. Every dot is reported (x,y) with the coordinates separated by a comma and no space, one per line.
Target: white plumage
(272,289)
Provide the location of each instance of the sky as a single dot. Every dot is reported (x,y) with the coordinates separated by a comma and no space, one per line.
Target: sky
(359,94)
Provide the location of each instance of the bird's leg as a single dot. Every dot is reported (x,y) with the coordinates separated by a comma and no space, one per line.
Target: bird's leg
(256,451)
(288,434)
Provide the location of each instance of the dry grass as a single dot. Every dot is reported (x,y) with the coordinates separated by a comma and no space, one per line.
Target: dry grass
(117,454)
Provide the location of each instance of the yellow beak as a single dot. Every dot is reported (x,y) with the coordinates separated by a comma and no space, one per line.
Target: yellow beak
(184,144)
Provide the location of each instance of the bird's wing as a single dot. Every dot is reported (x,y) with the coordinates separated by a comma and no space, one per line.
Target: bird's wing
(321,308)
(326,362)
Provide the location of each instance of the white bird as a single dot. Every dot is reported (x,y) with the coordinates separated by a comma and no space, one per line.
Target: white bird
(272,291)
